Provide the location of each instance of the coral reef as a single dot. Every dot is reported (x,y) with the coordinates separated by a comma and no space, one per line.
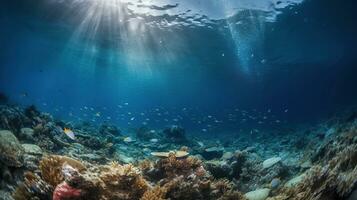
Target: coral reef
(38,161)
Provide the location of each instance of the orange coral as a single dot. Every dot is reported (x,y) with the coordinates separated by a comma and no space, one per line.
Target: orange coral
(157,193)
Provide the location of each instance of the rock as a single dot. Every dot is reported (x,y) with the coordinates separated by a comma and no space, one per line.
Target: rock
(212,153)
(27,133)
(294,181)
(32,149)
(260,194)
(5,195)
(227,156)
(125,159)
(275,183)
(306,164)
(218,168)
(11,151)
(270,162)
(353,195)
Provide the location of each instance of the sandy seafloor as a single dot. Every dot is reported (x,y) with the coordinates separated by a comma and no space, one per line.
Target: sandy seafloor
(39,161)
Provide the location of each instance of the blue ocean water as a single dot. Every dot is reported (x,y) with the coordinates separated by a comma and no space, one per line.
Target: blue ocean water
(206,65)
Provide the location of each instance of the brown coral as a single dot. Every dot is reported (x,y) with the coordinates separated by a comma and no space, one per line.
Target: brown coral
(33,187)
(157,193)
(173,166)
(122,182)
(51,168)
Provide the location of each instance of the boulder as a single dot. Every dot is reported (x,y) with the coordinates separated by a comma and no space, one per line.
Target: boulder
(294,181)
(27,134)
(32,149)
(227,156)
(270,162)
(219,168)
(259,194)
(11,151)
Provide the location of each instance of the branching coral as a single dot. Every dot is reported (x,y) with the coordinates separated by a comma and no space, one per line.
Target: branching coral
(122,182)
(173,166)
(188,189)
(223,189)
(51,168)
(33,187)
(157,193)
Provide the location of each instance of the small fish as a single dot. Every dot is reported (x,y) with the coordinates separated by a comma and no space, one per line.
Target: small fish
(286,110)
(97,114)
(201,144)
(69,133)
(131,119)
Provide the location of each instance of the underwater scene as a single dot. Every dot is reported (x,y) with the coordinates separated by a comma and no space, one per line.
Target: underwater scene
(178,100)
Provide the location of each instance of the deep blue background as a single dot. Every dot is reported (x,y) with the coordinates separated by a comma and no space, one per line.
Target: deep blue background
(304,62)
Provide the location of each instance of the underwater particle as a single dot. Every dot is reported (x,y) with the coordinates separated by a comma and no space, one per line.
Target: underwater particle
(204,130)
(97,114)
(131,119)
(263,61)
(286,110)
(69,133)
(222,54)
